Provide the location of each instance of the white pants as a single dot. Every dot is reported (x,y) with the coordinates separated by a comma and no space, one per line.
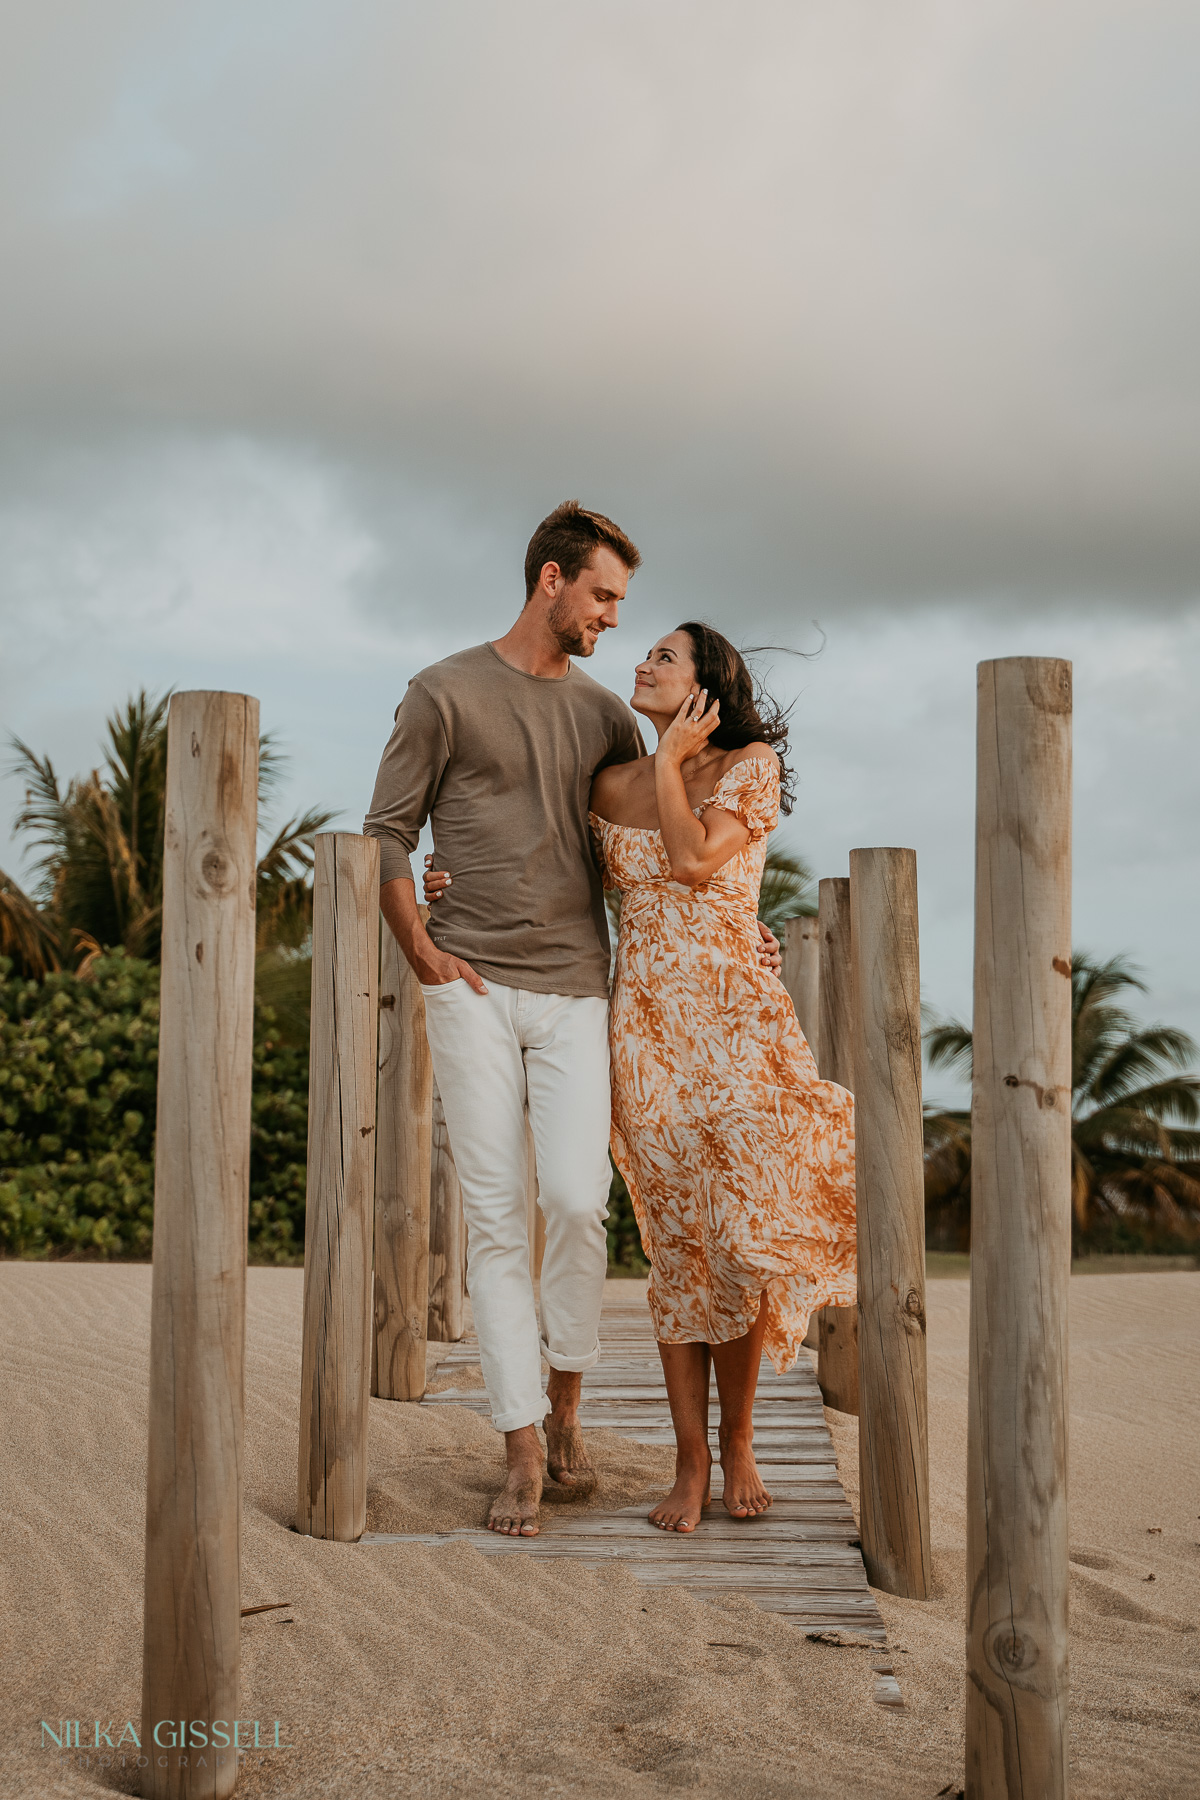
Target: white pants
(494,1053)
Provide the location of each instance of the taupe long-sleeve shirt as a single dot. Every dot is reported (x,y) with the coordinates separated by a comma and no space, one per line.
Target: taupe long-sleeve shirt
(503,764)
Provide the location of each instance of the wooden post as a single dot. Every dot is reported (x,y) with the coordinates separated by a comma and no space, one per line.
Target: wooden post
(403,1148)
(447,1237)
(339,1216)
(893,1423)
(801,976)
(1020,1236)
(192,1618)
(837,1326)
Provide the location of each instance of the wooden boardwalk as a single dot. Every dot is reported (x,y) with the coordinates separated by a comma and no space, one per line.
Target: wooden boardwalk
(800,1558)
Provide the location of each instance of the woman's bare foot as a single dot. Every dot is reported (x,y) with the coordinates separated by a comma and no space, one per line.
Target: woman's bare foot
(745,1496)
(514,1511)
(681,1509)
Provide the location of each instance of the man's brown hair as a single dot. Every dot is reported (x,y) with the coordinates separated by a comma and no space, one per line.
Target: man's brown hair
(569,536)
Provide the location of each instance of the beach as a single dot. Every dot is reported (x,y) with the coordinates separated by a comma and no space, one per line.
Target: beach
(405,1670)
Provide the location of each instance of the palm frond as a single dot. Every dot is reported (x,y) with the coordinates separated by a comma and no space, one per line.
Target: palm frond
(950,1045)
(787,891)
(27,936)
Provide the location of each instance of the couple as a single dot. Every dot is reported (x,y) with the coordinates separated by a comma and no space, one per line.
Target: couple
(738,1159)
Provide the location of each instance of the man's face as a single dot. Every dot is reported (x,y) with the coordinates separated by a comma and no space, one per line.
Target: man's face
(581,609)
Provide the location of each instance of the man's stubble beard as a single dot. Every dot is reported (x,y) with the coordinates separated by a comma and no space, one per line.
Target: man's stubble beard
(568,632)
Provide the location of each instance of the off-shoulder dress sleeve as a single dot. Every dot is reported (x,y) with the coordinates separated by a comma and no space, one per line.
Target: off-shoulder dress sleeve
(751,790)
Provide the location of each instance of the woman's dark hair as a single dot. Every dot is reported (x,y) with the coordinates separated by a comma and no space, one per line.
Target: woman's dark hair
(748,713)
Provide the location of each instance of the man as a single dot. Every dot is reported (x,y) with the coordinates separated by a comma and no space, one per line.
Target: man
(499,744)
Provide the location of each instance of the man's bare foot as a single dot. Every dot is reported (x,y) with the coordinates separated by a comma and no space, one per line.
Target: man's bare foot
(745,1496)
(566,1454)
(567,1459)
(681,1509)
(514,1511)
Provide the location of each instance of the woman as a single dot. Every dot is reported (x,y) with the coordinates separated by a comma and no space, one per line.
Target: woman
(739,1160)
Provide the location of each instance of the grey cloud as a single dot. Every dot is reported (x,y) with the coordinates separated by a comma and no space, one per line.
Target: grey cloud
(831,305)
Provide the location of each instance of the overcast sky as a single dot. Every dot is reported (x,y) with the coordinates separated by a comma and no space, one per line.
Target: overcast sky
(881,317)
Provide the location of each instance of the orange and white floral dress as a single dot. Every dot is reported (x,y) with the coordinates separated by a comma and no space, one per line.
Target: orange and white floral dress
(738,1158)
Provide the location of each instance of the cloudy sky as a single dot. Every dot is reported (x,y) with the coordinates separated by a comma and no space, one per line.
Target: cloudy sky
(878,317)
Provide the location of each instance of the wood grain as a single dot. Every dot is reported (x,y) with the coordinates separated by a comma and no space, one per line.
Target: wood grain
(893,1420)
(837,1326)
(402,1171)
(192,1615)
(837,1357)
(335,1373)
(801,976)
(447,1236)
(1017,1570)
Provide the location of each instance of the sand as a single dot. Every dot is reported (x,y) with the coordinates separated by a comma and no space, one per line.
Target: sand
(413,1671)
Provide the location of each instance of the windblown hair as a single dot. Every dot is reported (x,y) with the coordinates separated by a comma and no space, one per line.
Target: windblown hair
(570,537)
(748,713)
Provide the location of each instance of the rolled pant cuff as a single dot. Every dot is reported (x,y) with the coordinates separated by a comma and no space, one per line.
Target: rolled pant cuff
(516,1418)
(570,1365)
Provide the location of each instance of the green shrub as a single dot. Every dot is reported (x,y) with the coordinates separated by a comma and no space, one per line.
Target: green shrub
(78,1080)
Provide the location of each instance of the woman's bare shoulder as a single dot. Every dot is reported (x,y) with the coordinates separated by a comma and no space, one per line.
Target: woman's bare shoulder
(749,753)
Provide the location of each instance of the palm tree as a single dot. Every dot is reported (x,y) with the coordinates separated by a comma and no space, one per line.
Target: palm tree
(1135,1152)
(786,891)
(99,850)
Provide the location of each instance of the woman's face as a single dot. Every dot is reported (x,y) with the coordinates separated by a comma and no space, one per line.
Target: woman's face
(666,678)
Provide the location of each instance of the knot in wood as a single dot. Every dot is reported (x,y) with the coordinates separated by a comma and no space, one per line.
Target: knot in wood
(914,1307)
(218,871)
(1011,1652)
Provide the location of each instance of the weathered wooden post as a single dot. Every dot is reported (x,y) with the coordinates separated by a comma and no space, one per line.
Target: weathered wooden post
(801,976)
(402,1168)
(837,1326)
(447,1237)
(893,1422)
(339,1215)
(192,1618)
(1020,1236)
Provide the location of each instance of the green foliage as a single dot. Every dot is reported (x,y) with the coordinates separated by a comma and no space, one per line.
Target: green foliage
(1135,1152)
(786,891)
(78,1081)
(624,1241)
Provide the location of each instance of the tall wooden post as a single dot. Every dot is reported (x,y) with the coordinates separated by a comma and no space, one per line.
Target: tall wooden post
(447,1237)
(837,1326)
(192,1618)
(802,976)
(339,1216)
(893,1422)
(1020,1236)
(403,1148)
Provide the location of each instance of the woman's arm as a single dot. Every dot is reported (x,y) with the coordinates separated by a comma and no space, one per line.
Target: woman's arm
(696,848)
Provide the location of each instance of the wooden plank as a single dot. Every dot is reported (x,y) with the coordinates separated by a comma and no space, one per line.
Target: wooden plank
(801,1559)
(335,1372)
(192,1614)
(1017,1569)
